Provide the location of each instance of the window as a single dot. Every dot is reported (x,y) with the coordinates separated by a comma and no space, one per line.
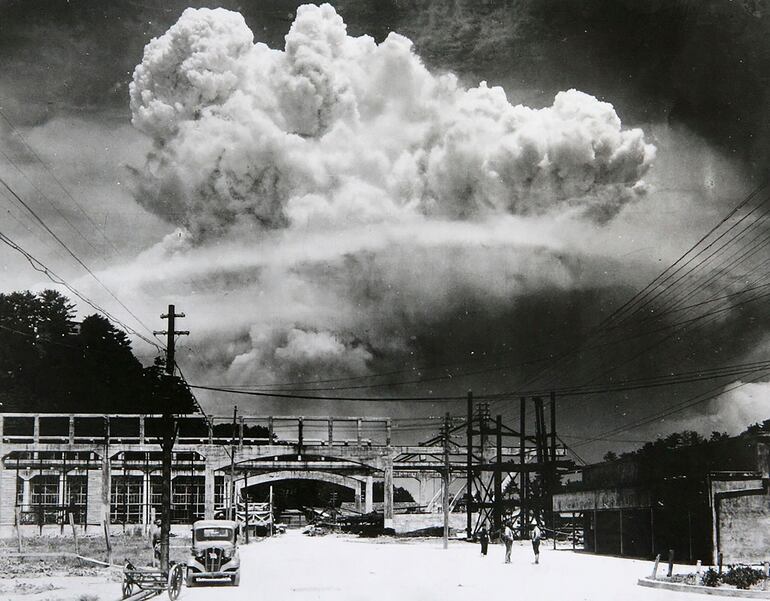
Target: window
(77,497)
(44,499)
(126,500)
(187,499)
(203,534)
(219,492)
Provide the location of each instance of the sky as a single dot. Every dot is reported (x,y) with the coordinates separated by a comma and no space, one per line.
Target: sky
(401,200)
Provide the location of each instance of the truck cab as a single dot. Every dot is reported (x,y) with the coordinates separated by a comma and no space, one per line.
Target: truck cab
(214,553)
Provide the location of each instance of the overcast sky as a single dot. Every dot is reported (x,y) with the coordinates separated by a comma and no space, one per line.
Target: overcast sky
(326,206)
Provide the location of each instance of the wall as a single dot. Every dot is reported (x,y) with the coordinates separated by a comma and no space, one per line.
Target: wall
(410,522)
(742,521)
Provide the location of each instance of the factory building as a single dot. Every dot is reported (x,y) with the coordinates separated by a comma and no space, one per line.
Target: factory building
(701,501)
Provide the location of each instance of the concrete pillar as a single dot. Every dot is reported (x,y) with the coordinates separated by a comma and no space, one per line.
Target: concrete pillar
(422,489)
(358,494)
(106,487)
(94,509)
(368,501)
(72,429)
(208,491)
(141,430)
(62,489)
(146,517)
(36,429)
(7,496)
(388,494)
(26,491)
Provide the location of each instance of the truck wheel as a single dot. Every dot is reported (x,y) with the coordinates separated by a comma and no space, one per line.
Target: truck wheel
(237,579)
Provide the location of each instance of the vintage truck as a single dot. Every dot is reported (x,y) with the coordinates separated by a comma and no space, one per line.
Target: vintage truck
(214,553)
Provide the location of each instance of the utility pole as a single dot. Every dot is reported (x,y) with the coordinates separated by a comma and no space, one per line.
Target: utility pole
(233,509)
(168,425)
(469,506)
(445,478)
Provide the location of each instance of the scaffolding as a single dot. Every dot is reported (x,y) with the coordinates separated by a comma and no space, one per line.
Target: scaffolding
(515,488)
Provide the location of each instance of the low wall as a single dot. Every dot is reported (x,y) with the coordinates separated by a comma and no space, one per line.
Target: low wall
(411,522)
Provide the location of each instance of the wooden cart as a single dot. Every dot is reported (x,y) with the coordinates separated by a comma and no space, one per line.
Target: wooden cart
(153,580)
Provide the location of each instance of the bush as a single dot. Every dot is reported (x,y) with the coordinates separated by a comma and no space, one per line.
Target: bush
(742,577)
(710,577)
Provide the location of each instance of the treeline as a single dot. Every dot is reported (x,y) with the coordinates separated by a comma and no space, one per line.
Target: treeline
(50,363)
(684,439)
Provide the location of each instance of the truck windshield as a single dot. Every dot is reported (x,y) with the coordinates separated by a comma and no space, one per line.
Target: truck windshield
(214,534)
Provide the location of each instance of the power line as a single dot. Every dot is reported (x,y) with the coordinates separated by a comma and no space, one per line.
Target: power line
(40,267)
(71,253)
(691,402)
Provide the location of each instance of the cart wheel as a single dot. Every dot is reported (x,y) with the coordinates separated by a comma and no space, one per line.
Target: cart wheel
(128,588)
(175,578)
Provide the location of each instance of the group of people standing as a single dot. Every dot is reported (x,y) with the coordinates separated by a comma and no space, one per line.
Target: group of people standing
(507,537)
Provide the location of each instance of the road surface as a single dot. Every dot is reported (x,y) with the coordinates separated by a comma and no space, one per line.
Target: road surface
(297,567)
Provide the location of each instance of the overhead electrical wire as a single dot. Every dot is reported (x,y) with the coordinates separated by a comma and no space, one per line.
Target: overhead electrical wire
(39,266)
(73,255)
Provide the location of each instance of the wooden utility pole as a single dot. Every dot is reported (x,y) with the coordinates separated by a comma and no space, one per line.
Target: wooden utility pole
(469,506)
(246,504)
(445,478)
(168,425)
(523,477)
(233,511)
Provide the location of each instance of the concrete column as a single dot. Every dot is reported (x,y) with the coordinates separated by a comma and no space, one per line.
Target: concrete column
(62,489)
(72,429)
(388,494)
(94,509)
(7,496)
(422,490)
(36,428)
(331,431)
(141,430)
(368,501)
(358,494)
(106,487)
(26,491)
(208,491)
(146,517)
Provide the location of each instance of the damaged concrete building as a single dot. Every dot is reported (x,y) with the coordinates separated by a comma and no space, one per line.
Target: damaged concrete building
(701,501)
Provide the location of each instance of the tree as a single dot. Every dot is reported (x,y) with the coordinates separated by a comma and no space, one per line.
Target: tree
(400,495)
(49,364)
(609,456)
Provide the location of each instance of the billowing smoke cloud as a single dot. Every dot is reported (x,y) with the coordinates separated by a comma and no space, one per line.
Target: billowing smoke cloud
(336,128)
(351,202)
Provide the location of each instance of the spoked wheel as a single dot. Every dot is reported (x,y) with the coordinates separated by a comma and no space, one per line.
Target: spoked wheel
(175,578)
(128,588)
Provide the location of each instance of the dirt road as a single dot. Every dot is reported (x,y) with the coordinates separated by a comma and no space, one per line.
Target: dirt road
(301,568)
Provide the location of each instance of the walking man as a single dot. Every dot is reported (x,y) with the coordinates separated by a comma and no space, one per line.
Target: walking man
(484,540)
(508,541)
(536,536)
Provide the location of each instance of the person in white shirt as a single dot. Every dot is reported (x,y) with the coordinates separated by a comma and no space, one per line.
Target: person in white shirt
(508,541)
(536,536)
